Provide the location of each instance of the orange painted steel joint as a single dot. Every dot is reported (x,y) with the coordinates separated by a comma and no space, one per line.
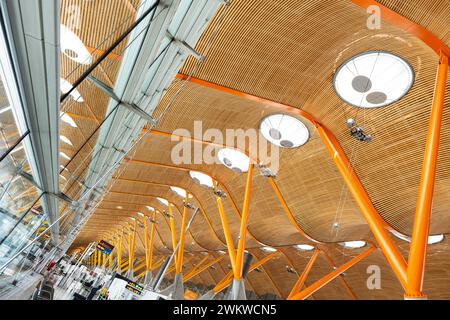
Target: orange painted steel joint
(419,239)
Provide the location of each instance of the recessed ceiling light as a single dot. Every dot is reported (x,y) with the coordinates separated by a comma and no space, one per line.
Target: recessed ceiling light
(268,249)
(66,86)
(202,179)
(66,140)
(284,131)
(68,119)
(353,244)
(180,192)
(73,48)
(150,208)
(373,79)
(233,159)
(119,207)
(65,156)
(304,247)
(163,201)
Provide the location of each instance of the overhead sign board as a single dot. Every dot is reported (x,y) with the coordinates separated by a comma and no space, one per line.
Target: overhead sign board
(105,247)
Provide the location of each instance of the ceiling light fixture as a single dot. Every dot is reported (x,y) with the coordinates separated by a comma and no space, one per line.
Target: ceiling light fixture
(284,131)
(373,79)
(202,179)
(304,247)
(353,244)
(233,159)
(180,192)
(66,86)
(68,119)
(73,48)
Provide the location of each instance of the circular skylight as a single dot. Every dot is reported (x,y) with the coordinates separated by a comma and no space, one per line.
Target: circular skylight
(304,247)
(202,179)
(150,208)
(233,159)
(353,244)
(180,192)
(66,140)
(65,87)
(373,79)
(73,48)
(284,131)
(163,201)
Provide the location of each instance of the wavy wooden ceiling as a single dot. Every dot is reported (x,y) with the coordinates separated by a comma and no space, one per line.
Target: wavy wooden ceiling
(285,51)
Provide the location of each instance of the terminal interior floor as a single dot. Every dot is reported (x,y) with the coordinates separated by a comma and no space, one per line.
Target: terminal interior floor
(224,149)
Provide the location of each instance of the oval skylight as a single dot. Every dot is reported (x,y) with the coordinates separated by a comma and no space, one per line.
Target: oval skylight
(284,131)
(373,79)
(353,244)
(73,48)
(163,201)
(202,179)
(68,119)
(431,239)
(150,208)
(304,247)
(180,192)
(66,140)
(268,249)
(233,159)
(65,87)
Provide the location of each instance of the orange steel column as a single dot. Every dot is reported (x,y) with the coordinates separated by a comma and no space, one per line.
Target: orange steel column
(330,277)
(182,236)
(152,240)
(419,239)
(301,280)
(376,223)
(226,231)
(172,231)
(243,228)
(146,244)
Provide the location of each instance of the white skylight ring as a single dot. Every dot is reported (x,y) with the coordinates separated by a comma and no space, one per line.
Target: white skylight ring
(284,131)
(201,178)
(73,48)
(373,79)
(233,159)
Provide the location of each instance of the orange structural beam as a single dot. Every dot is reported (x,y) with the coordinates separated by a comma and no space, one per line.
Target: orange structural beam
(244,220)
(305,293)
(376,223)
(227,233)
(341,278)
(419,239)
(301,280)
(202,268)
(407,25)
(182,236)
(172,232)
